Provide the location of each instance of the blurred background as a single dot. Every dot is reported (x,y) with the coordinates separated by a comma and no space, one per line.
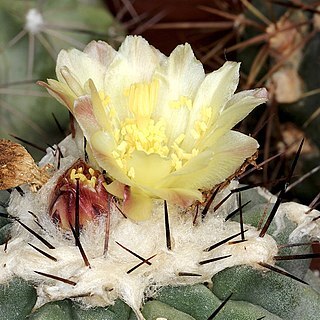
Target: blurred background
(277,41)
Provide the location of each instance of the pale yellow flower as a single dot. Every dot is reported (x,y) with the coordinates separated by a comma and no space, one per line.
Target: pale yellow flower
(158,125)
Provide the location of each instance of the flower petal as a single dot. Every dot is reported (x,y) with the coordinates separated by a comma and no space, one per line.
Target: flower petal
(81,67)
(116,188)
(135,62)
(99,111)
(141,58)
(216,89)
(216,164)
(102,145)
(183,197)
(235,110)
(175,73)
(177,88)
(86,120)
(149,169)
(72,81)
(100,51)
(137,205)
(59,91)
(83,112)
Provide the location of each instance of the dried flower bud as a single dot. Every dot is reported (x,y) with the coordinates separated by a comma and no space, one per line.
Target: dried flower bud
(93,197)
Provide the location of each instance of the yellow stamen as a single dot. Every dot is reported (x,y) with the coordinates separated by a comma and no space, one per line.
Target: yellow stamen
(201,125)
(142,98)
(104,98)
(131,173)
(78,175)
(183,101)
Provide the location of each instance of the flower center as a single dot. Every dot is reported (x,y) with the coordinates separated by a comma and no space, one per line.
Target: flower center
(143,133)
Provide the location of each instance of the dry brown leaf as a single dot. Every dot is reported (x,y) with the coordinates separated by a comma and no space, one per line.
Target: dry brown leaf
(18,167)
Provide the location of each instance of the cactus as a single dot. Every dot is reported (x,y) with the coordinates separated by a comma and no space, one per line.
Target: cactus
(93,232)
